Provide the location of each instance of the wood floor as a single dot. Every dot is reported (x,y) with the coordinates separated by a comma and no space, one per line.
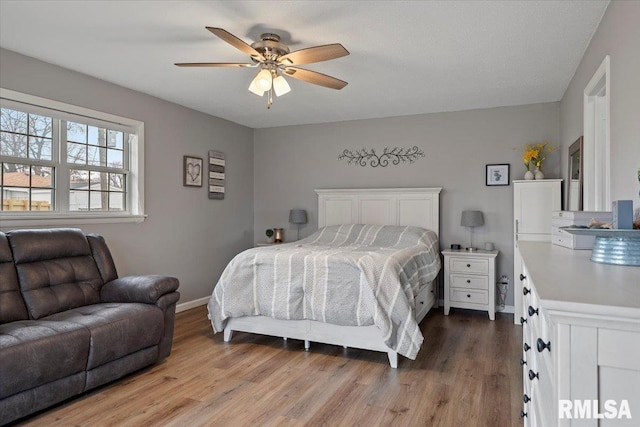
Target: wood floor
(467,374)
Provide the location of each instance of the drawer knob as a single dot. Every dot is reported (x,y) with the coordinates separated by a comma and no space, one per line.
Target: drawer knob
(532,311)
(526,398)
(522,320)
(421,302)
(468,265)
(522,277)
(542,345)
(468,281)
(525,291)
(533,375)
(468,295)
(523,362)
(526,347)
(523,414)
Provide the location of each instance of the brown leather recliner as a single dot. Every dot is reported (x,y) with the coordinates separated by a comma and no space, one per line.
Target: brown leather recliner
(68,323)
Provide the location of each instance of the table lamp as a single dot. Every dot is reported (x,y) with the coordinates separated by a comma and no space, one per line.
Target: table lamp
(297,217)
(471,219)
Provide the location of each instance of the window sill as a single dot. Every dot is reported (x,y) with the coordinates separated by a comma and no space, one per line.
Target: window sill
(56,220)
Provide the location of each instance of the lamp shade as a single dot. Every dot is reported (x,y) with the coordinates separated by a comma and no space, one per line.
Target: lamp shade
(298,216)
(280,86)
(472,219)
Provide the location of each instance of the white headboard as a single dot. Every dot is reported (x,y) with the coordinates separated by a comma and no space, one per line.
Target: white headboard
(388,206)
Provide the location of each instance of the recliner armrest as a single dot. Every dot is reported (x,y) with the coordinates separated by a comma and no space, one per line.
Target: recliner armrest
(144,289)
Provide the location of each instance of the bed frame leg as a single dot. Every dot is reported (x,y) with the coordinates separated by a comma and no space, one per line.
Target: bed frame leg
(307,344)
(393,359)
(228,333)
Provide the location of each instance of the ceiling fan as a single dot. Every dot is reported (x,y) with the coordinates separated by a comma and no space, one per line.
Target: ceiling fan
(275,60)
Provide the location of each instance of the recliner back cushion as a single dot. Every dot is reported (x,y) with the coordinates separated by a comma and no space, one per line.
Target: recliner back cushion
(56,271)
(11,304)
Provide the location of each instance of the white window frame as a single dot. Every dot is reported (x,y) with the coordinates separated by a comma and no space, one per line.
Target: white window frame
(61,216)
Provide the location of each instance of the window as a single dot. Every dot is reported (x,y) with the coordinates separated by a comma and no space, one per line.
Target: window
(65,164)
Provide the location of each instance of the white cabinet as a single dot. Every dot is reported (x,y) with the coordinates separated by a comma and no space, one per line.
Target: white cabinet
(533,203)
(581,339)
(470,280)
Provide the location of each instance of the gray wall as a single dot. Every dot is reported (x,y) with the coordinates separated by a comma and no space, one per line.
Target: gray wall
(618,36)
(290,162)
(186,235)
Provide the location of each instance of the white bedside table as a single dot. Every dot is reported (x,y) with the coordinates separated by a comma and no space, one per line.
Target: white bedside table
(470,280)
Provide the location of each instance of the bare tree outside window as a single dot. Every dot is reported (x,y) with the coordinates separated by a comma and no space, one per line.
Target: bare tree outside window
(97,181)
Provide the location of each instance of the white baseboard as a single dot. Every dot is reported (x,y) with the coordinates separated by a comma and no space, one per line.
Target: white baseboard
(507,308)
(192,304)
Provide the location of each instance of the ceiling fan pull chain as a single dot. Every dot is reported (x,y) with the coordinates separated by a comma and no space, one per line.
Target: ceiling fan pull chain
(270,98)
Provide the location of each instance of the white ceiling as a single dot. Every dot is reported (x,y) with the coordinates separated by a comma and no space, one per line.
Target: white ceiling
(407,57)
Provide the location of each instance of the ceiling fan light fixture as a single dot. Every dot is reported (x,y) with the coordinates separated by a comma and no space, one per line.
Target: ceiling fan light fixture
(280,86)
(253,88)
(263,80)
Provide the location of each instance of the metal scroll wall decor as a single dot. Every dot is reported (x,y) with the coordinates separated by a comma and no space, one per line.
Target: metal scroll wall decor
(394,156)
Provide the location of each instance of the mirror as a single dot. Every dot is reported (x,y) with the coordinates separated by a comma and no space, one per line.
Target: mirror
(574,187)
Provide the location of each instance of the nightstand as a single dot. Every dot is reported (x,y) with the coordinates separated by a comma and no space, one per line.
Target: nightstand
(470,280)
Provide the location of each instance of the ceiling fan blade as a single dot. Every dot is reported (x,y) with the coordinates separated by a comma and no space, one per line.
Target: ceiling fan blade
(314,54)
(236,42)
(315,78)
(213,64)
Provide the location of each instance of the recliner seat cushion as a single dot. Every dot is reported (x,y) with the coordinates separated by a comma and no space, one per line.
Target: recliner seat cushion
(56,270)
(33,353)
(116,329)
(11,304)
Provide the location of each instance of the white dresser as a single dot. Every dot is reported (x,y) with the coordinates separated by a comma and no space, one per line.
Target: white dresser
(581,338)
(533,203)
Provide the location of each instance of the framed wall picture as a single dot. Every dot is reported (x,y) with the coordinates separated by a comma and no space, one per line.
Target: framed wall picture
(497,175)
(192,171)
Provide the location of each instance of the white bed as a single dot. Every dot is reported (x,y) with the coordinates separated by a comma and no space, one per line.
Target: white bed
(392,206)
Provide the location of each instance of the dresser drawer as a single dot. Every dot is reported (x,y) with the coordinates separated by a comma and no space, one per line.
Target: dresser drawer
(470,296)
(469,265)
(469,281)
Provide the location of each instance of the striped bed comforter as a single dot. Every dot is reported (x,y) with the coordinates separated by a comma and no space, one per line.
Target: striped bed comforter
(355,275)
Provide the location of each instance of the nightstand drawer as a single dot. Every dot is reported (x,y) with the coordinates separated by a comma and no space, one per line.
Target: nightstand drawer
(468,281)
(469,265)
(463,295)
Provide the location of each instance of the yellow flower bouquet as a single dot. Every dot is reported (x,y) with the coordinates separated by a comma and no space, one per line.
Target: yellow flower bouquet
(536,154)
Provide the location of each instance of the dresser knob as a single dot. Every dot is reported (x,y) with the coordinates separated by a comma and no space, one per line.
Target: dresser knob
(523,362)
(526,347)
(542,345)
(532,311)
(526,398)
(468,281)
(422,302)
(522,277)
(533,375)
(525,291)
(468,265)
(468,295)
(522,320)
(523,414)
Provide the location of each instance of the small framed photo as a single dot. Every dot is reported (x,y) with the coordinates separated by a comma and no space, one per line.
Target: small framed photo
(192,171)
(497,175)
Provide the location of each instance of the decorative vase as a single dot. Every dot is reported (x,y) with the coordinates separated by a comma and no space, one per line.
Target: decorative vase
(538,174)
(279,235)
(529,175)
